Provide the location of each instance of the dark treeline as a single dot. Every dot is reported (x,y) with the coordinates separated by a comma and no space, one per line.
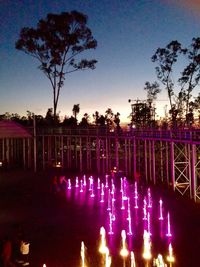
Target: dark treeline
(109,119)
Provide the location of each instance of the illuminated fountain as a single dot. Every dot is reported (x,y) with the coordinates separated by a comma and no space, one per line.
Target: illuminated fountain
(145,209)
(147,247)
(109,200)
(149,198)
(136,196)
(133,259)
(82,254)
(159,262)
(90,183)
(106,185)
(98,183)
(127,207)
(84,180)
(122,206)
(129,218)
(102,193)
(124,189)
(92,188)
(168,226)
(103,247)
(148,223)
(124,251)
(113,209)
(110,224)
(77,182)
(161,209)
(108,259)
(81,186)
(170,257)
(121,184)
(113,190)
(69,184)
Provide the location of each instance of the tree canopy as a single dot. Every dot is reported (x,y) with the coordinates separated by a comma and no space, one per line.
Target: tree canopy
(57,43)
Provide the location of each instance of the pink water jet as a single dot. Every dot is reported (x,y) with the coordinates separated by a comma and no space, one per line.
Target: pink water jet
(161,209)
(168,226)
(110,224)
(69,184)
(113,210)
(109,200)
(129,219)
(102,192)
(92,190)
(149,198)
(98,183)
(84,180)
(77,182)
(106,185)
(148,223)
(145,209)
(81,186)
(122,198)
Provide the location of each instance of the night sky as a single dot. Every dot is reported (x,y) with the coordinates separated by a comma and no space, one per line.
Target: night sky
(128,34)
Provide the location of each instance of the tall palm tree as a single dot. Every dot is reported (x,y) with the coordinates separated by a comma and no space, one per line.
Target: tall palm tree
(76,110)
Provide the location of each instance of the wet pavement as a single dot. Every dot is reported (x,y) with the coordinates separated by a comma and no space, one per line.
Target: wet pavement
(55,224)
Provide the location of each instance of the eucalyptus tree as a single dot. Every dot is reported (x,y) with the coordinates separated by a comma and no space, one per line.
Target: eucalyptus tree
(190,75)
(166,59)
(57,43)
(152,89)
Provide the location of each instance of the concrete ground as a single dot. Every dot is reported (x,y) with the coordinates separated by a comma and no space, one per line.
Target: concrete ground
(55,225)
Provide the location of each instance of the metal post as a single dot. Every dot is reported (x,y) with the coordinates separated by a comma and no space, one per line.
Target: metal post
(34,144)
(172,165)
(193,183)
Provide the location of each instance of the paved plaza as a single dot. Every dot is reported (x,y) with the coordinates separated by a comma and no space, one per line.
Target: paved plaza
(55,224)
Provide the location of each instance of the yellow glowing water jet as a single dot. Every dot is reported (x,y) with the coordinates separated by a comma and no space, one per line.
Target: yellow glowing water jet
(170,257)
(83,255)
(124,251)
(133,259)
(147,247)
(108,259)
(103,248)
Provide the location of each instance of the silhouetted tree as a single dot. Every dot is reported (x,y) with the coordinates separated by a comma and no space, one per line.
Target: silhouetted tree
(57,43)
(50,119)
(85,121)
(109,116)
(152,89)
(76,110)
(191,74)
(96,116)
(102,120)
(166,58)
(69,122)
(117,119)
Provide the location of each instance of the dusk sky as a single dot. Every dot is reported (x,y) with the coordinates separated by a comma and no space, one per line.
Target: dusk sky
(128,33)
